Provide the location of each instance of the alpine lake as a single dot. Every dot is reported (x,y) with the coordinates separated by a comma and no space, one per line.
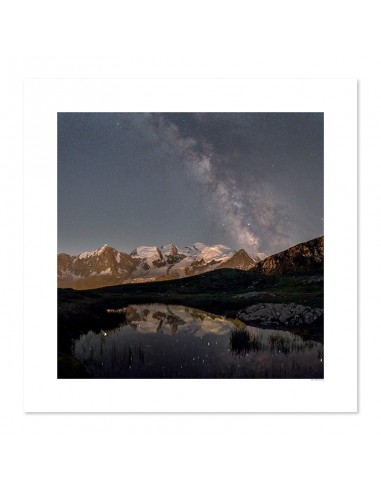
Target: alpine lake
(175,341)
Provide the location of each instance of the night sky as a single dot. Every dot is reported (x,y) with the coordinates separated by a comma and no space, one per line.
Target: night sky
(246,180)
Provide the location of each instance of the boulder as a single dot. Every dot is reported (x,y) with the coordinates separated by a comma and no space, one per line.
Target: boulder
(278,314)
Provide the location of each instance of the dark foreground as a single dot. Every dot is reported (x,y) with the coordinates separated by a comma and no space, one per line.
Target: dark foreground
(198,327)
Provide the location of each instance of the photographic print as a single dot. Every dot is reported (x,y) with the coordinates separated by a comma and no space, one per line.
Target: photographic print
(190,245)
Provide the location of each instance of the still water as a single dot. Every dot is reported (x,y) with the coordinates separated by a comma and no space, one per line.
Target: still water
(169,341)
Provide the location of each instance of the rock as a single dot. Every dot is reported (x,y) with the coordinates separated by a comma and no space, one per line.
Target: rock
(276,314)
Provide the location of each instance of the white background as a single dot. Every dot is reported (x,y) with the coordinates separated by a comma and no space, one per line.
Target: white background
(188,452)
(336,98)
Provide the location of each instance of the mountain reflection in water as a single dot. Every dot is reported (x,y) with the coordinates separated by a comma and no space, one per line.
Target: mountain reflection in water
(170,341)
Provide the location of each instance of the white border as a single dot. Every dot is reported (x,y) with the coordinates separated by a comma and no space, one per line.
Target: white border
(43,98)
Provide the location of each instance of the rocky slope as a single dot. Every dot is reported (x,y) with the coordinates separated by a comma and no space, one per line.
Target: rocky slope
(305,257)
(278,314)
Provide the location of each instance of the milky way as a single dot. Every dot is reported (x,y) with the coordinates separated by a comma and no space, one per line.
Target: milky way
(250,180)
(232,208)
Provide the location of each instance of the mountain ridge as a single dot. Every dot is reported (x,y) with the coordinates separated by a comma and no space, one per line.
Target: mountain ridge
(107,266)
(302,257)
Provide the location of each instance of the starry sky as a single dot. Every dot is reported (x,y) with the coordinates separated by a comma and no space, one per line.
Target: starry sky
(246,180)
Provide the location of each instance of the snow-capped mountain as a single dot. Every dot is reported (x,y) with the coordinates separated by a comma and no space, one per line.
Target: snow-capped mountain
(174,262)
(153,261)
(104,266)
(107,266)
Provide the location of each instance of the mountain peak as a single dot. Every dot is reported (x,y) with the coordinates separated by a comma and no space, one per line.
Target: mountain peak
(199,246)
(103,248)
(241,259)
(144,251)
(169,249)
(88,254)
